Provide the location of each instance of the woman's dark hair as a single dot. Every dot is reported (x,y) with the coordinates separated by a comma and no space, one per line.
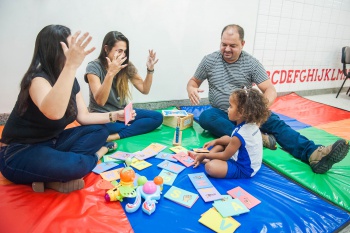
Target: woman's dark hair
(48,57)
(122,85)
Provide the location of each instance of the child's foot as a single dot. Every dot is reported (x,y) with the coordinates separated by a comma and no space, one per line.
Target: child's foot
(63,187)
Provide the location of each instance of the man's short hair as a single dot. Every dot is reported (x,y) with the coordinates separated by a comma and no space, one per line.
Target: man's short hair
(239,29)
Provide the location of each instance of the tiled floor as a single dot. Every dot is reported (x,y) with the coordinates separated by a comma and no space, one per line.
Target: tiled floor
(343,100)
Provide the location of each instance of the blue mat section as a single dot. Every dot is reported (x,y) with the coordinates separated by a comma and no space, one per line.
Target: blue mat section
(197,110)
(292,122)
(284,207)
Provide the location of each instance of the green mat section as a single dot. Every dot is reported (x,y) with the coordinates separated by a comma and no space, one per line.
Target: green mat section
(333,185)
(191,137)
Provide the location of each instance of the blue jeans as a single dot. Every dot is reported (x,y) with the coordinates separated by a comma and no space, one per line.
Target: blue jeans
(71,155)
(145,121)
(216,122)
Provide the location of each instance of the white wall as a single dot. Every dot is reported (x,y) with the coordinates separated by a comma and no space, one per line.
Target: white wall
(300,38)
(180,31)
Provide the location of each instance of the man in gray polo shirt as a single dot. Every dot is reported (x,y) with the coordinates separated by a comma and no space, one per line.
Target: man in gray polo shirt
(232,68)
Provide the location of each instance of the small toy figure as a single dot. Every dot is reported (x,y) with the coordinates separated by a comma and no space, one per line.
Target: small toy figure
(150,191)
(125,188)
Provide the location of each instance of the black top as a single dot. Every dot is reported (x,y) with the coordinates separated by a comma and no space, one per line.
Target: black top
(33,126)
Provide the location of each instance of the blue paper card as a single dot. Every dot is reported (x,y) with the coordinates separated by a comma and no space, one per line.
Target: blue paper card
(170,166)
(168,177)
(200,180)
(101,167)
(230,208)
(166,156)
(181,196)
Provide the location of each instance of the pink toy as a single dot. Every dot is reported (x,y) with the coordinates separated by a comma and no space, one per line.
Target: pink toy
(150,191)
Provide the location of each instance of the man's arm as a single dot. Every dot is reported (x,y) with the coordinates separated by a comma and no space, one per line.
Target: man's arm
(193,90)
(268,90)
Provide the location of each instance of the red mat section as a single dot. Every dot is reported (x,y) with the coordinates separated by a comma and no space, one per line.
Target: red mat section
(23,210)
(307,111)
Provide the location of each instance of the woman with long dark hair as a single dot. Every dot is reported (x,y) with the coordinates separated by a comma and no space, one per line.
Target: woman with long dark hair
(108,77)
(35,147)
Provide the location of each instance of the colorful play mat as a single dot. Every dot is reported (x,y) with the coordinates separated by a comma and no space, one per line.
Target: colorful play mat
(293,198)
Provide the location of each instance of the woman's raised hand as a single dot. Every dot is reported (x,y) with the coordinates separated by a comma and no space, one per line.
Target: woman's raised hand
(116,64)
(152,60)
(76,50)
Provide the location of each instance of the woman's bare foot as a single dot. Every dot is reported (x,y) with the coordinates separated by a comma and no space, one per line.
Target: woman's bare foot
(113,137)
(108,147)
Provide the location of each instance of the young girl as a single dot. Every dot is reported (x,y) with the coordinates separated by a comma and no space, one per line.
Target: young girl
(108,77)
(238,156)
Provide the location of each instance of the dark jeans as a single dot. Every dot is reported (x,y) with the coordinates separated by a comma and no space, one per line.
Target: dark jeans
(72,155)
(145,121)
(216,122)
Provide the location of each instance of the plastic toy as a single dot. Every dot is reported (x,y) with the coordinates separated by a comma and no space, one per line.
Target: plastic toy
(126,186)
(177,134)
(150,191)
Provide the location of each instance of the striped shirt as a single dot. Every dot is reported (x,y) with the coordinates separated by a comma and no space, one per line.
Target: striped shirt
(224,78)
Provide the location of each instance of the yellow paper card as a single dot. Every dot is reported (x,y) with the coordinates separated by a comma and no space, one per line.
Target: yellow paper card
(111,175)
(217,223)
(141,164)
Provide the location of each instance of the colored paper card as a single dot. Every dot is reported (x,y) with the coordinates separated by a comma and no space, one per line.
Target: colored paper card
(178,149)
(114,183)
(111,175)
(156,147)
(128,113)
(224,198)
(106,158)
(141,164)
(121,155)
(209,194)
(104,184)
(247,199)
(213,220)
(170,166)
(166,156)
(101,167)
(135,180)
(200,150)
(232,207)
(168,177)
(174,113)
(200,180)
(184,158)
(181,196)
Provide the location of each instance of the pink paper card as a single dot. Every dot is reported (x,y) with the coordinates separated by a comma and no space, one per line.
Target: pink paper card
(121,155)
(184,158)
(104,184)
(128,113)
(247,199)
